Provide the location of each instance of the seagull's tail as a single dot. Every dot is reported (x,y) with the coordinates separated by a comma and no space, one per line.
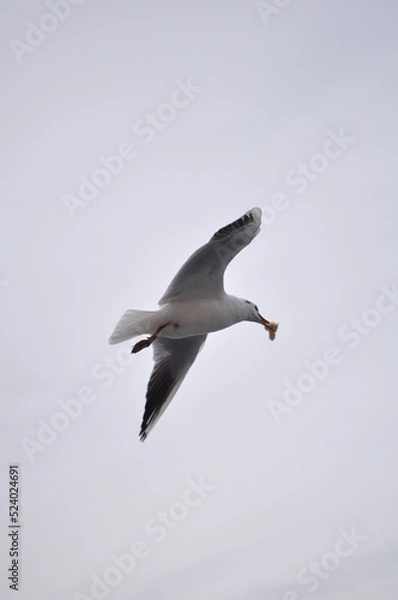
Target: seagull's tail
(132,323)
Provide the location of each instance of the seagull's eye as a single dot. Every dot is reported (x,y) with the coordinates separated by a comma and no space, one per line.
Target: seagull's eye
(256,307)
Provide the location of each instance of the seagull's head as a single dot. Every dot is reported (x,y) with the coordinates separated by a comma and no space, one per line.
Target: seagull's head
(253,314)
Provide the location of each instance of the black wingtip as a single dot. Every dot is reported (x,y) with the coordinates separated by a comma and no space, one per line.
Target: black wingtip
(239,223)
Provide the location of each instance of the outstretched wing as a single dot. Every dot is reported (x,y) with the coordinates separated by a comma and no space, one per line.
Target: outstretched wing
(173,359)
(203,272)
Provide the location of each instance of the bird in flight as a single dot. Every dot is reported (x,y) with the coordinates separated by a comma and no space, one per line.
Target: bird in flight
(194,304)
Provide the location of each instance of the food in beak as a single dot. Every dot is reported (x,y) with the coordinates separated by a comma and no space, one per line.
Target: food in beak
(271,327)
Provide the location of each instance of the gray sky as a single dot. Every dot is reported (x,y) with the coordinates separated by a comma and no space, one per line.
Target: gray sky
(244,490)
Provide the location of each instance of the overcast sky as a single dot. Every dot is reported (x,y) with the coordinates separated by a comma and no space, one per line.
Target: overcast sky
(132,131)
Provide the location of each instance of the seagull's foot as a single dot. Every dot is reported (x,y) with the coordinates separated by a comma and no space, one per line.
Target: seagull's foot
(141,345)
(148,341)
(272,328)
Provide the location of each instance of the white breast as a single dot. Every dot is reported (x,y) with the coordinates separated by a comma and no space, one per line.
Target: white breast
(196,317)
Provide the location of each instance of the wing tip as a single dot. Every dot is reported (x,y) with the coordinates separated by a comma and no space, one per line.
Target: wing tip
(257,212)
(250,218)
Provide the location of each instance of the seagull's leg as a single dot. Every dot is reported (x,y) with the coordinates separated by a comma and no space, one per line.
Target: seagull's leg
(272,328)
(148,341)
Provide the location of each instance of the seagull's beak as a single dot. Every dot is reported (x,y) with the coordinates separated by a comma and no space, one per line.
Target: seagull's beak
(272,328)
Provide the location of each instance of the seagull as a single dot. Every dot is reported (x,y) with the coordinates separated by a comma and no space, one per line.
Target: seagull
(194,304)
